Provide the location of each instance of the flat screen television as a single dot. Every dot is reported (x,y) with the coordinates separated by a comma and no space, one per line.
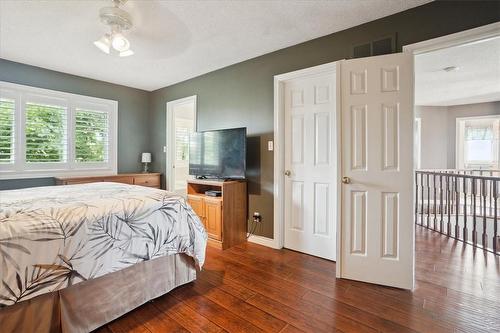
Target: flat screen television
(218,154)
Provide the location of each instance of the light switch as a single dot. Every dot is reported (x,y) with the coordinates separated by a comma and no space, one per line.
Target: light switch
(164,149)
(270,145)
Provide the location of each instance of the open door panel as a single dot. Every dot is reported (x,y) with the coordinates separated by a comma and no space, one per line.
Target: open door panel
(377,230)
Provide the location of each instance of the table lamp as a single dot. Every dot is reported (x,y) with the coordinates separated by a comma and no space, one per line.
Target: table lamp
(146,158)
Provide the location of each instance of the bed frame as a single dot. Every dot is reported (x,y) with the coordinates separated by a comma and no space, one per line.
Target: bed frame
(91,304)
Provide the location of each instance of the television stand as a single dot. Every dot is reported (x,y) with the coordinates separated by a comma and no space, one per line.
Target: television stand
(225,216)
(218,179)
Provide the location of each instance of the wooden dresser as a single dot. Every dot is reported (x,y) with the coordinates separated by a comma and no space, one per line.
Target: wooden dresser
(143,179)
(224,217)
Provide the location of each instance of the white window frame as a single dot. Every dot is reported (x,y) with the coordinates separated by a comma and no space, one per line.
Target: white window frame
(20,169)
(460,143)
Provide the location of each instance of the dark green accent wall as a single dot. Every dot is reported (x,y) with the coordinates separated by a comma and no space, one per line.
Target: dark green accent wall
(133,107)
(242,94)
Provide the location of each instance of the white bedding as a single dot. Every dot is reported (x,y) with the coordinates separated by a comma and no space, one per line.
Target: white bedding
(53,237)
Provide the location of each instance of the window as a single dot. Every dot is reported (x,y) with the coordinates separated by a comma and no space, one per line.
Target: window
(477,142)
(91,135)
(7,131)
(183,127)
(46,133)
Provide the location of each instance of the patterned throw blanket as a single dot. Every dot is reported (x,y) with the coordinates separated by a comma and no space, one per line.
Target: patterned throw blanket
(54,237)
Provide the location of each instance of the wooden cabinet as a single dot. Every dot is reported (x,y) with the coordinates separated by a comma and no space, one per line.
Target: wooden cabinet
(213,218)
(224,217)
(198,204)
(142,179)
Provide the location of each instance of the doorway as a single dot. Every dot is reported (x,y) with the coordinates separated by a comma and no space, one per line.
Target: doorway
(375,204)
(457,104)
(181,122)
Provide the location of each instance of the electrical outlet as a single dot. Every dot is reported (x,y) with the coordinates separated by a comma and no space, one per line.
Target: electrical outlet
(257,218)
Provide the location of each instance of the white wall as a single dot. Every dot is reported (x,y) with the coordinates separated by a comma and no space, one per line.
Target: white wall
(434,136)
(438,135)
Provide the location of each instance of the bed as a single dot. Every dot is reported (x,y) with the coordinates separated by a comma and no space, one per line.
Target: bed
(75,257)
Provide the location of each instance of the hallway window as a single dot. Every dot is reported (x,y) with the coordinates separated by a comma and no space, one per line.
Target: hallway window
(477,142)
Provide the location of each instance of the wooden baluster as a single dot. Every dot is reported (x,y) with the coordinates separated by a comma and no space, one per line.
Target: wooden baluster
(490,188)
(434,199)
(457,209)
(485,236)
(465,233)
(448,204)
(496,238)
(428,201)
(422,199)
(441,203)
(474,212)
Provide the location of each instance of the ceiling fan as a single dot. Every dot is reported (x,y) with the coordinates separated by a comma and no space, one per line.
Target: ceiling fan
(118,21)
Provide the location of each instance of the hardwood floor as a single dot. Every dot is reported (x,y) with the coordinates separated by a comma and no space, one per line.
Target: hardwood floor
(251,288)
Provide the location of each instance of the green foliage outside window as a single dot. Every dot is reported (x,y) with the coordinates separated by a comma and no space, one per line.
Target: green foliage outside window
(6,130)
(45,133)
(91,136)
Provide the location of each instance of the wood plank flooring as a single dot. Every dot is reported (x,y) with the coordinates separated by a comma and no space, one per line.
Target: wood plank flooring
(251,288)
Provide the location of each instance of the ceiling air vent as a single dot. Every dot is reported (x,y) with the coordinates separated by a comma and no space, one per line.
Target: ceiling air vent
(376,47)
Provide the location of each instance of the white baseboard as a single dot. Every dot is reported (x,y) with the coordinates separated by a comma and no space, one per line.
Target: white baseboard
(265,241)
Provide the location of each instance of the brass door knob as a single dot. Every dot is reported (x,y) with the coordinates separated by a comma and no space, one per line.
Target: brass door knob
(346,180)
(288,173)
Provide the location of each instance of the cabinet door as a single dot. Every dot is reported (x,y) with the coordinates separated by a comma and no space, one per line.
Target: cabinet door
(213,215)
(196,202)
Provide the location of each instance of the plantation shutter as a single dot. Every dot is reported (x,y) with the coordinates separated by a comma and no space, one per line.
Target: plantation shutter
(7,131)
(182,143)
(46,133)
(91,136)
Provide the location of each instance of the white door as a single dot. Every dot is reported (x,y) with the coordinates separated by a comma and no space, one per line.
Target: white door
(181,122)
(377,156)
(310,164)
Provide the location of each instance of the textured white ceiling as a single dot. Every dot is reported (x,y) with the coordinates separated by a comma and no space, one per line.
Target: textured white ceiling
(476,81)
(173,40)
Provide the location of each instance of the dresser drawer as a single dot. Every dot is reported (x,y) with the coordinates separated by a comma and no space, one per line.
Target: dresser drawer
(120,179)
(142,179)
(82,181)
(151,181)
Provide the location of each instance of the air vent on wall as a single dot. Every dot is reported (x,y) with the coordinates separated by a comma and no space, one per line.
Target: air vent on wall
(376,47)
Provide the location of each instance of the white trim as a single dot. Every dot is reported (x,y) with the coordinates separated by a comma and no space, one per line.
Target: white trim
(265,241)
(338,255)
(20,169)
(279,140)
(170,134)
(460,38)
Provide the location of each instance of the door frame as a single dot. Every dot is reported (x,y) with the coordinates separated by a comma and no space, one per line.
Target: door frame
(279,152)
(459,38)
(170,134)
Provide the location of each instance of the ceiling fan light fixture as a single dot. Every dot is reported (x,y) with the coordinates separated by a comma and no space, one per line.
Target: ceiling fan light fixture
(119,42)
(126,53)
(103,44)
(118,20)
